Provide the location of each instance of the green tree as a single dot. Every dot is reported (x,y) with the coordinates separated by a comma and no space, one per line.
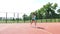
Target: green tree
(47,10)
(58,11)
(25,17)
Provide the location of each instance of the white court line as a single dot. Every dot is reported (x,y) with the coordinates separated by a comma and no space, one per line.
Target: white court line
(46,31)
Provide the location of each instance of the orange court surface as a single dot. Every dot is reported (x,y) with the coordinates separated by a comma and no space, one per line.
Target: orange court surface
(26,28)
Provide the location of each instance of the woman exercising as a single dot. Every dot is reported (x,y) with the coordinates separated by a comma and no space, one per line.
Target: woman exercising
(33,19)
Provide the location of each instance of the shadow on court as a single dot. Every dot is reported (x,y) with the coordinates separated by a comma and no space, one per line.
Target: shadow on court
(40,28)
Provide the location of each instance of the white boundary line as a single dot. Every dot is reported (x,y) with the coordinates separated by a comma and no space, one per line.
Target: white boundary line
(46,31)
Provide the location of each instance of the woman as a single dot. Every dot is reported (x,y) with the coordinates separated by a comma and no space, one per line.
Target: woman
(33,19)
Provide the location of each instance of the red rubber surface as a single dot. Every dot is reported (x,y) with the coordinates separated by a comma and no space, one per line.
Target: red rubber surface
(26,28)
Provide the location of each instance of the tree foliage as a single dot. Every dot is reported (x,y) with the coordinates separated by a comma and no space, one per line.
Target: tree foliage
(47,11)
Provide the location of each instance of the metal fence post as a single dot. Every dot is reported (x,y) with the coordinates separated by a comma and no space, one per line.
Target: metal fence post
(46,19)
(41,20)
(51,18)
(6,17)
(17,17)
(14,18)
(55,19)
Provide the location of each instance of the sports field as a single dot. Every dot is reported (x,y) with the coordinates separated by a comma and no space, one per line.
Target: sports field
(26,28)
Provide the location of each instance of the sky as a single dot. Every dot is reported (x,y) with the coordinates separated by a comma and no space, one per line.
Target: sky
(22,6)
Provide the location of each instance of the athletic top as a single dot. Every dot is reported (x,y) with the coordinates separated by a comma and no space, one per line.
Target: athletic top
(33,17)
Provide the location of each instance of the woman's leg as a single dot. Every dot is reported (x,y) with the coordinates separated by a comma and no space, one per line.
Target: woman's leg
(31,22)
(35,23)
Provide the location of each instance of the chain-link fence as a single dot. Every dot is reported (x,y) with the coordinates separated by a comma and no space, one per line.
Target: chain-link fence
(7,17)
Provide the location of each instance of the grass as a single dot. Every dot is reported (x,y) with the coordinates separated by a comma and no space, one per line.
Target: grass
(28,21)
